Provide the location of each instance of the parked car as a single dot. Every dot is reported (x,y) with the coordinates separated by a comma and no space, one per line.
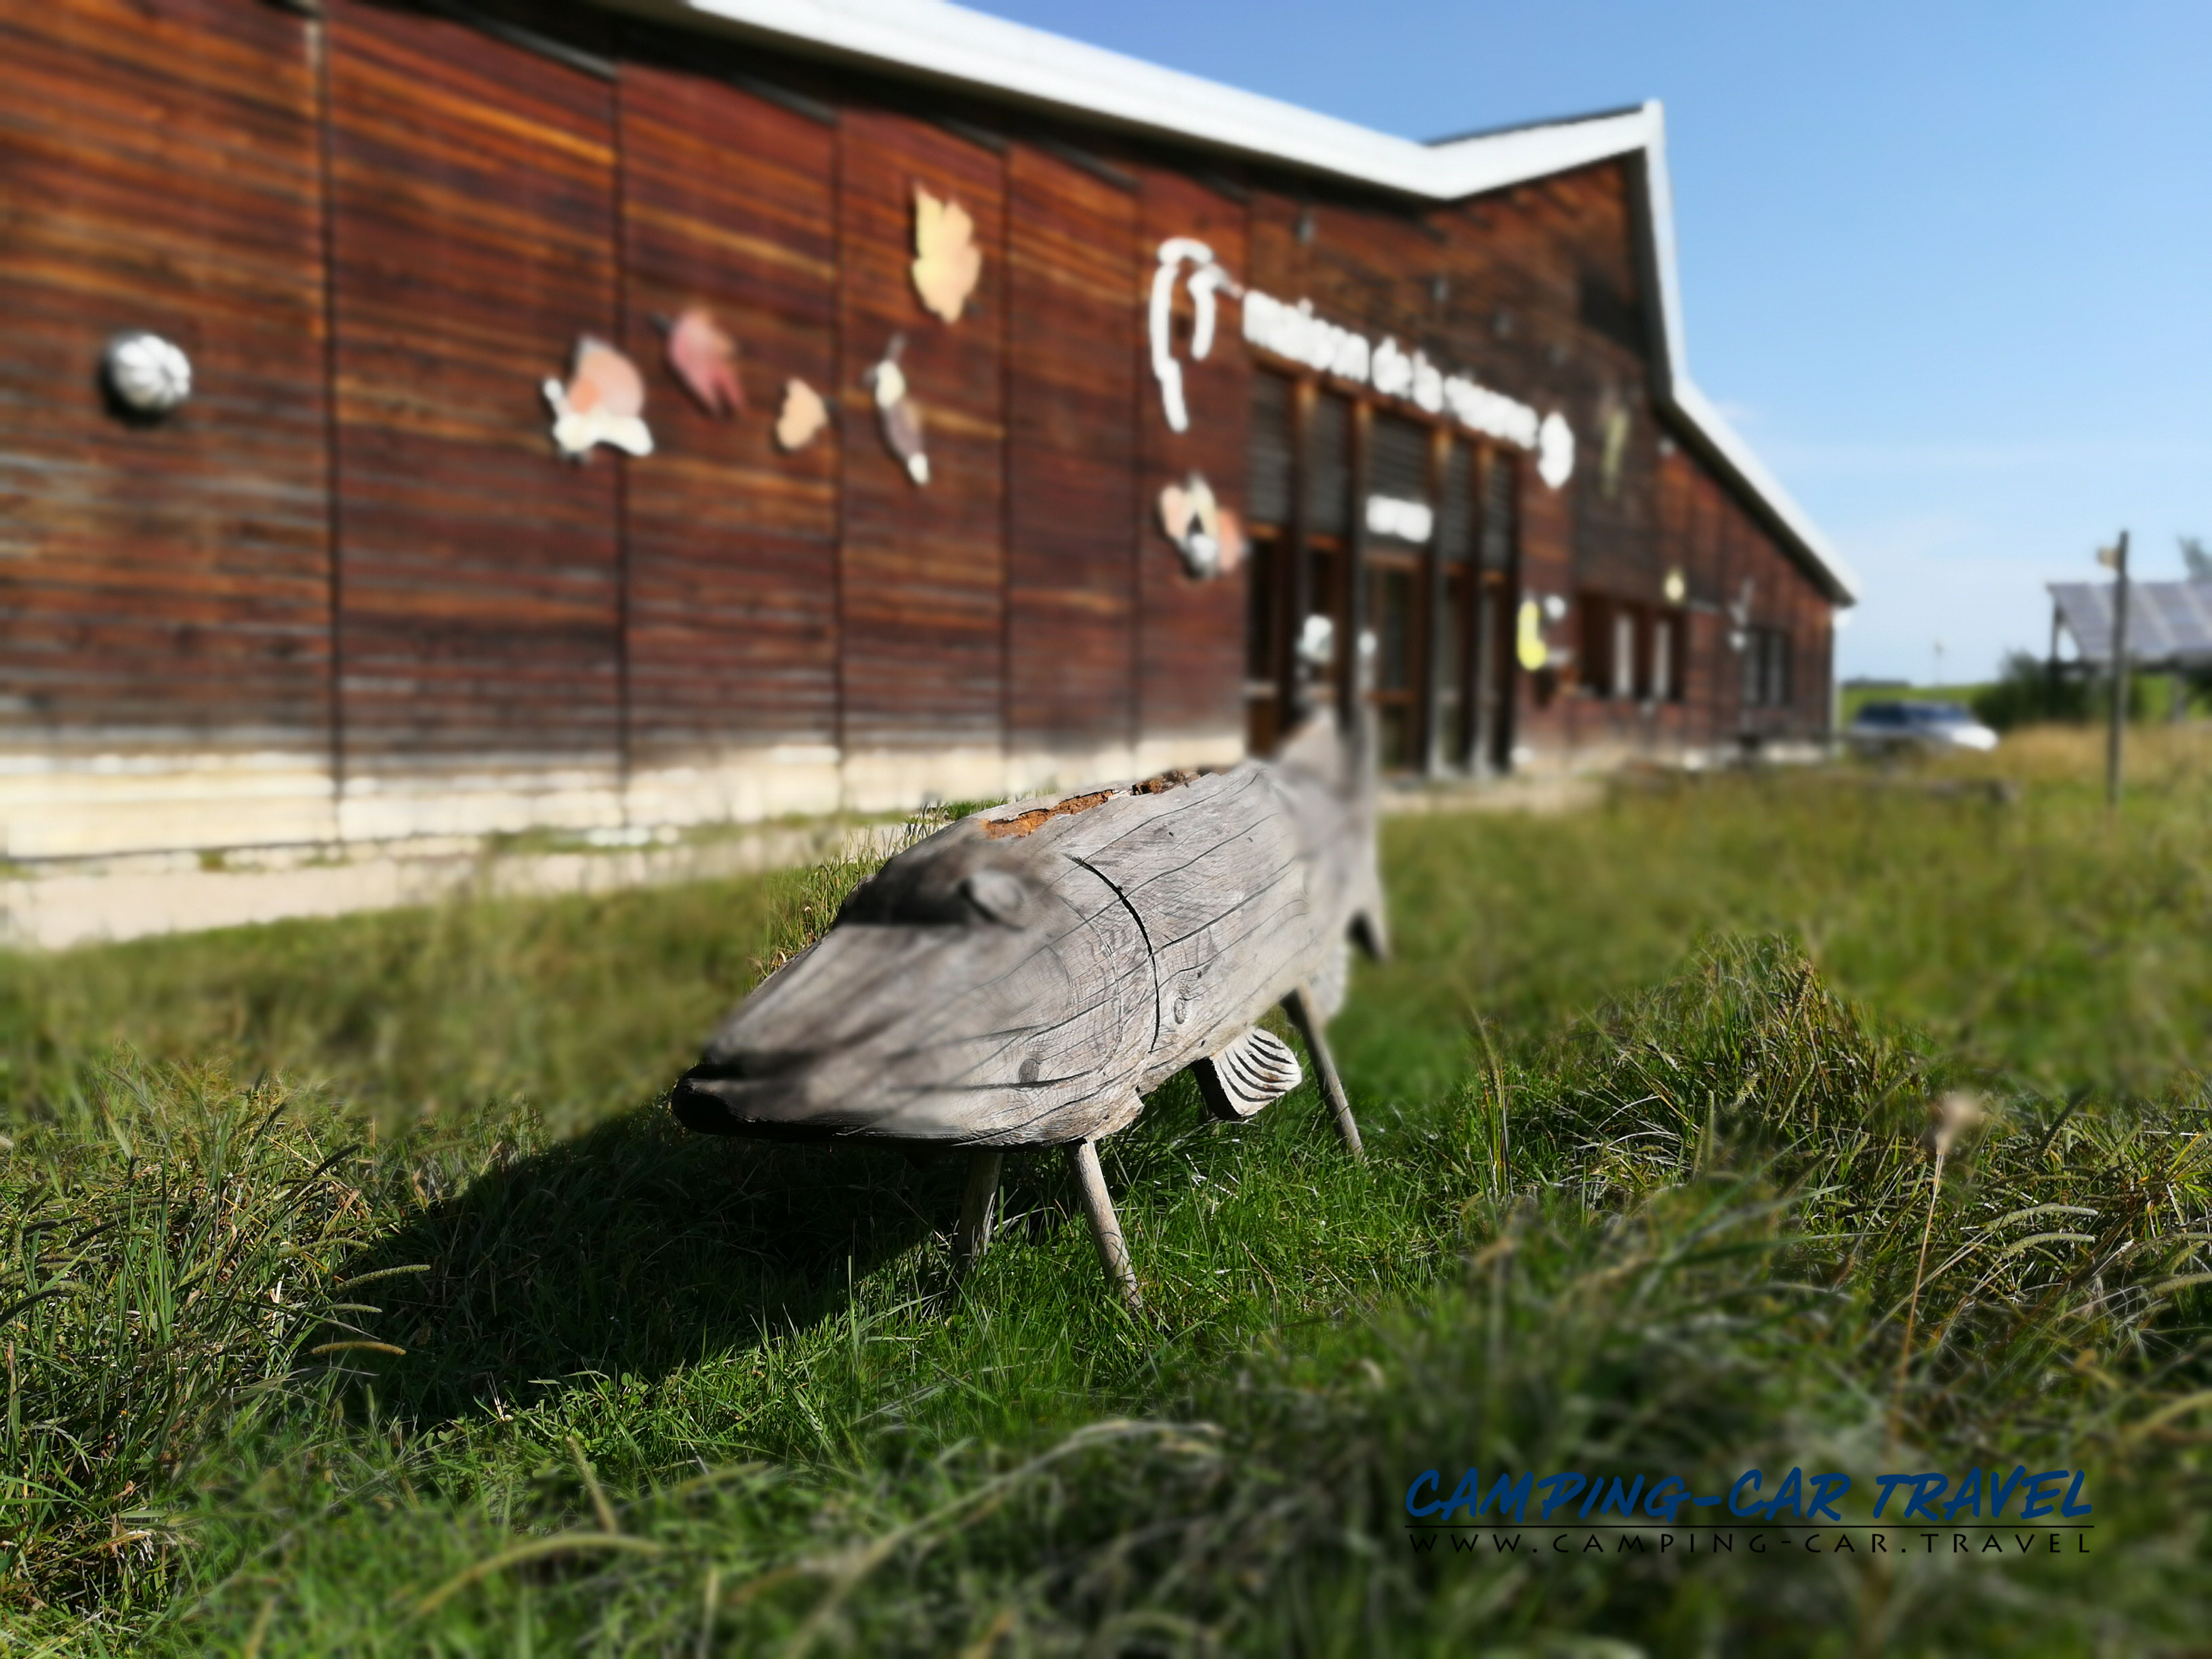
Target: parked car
(1935,727)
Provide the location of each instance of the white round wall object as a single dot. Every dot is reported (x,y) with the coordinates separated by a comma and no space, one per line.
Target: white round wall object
(1555,450)
(146,374)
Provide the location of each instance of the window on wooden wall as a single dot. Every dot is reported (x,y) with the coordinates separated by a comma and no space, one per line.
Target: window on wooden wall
(1267,477)
(1456,621)
(1667,656)
(1595,650)
(1432,517)
(1496,576)
(1632,652)
(1326,481)
(1766,668)
(1400,524)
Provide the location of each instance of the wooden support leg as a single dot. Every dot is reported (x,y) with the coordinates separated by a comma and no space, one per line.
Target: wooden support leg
(1299,1004)
(979,1206)
(1105,1226)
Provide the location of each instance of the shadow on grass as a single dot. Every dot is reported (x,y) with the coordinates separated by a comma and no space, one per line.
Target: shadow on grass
(630,1250)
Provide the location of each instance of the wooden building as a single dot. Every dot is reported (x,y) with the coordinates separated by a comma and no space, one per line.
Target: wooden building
(351,590)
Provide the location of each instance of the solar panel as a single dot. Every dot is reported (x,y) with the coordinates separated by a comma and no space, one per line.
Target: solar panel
(2168,622)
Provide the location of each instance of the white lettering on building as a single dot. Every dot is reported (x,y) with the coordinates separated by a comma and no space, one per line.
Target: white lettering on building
(1206,279)
(1295,332)
(1407,521)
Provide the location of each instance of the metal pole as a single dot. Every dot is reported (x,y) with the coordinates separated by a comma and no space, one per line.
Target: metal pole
(2119,723)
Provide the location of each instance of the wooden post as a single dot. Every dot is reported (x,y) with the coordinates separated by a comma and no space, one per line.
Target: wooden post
(1299,1004)
(2117,731)
(979,1207)
(1105,1226)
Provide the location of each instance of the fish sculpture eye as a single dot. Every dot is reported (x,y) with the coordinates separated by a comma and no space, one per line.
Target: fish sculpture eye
(998,895)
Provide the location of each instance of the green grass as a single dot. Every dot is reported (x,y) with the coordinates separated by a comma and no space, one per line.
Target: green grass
(1645,1094)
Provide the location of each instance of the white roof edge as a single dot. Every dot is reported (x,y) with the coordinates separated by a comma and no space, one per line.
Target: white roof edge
(1735,456)
(997,57)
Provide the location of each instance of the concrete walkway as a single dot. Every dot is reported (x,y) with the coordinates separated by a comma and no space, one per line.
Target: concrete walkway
(52,905)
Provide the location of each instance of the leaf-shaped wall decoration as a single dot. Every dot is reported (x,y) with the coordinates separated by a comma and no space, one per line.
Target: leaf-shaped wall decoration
(947,264)
(1209,535)
(705,359)
(603,403)
(802,416)
(896,413)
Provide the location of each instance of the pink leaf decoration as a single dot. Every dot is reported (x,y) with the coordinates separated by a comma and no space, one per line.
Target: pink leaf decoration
(705,360)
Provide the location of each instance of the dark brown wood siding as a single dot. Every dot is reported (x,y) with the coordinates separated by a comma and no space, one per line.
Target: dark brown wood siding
(1535,290)
(162,584)
(1190,672)
(1071,380)
(474,241)
(729,202)
(924,569)
(357,539)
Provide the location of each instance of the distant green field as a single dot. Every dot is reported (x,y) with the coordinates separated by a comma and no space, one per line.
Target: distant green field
(359,1295)
(2151,698)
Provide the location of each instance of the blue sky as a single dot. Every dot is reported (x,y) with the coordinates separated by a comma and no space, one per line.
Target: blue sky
(1948,266)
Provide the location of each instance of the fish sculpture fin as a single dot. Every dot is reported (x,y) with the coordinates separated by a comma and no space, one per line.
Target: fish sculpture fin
(1254,1070)
(1333,978)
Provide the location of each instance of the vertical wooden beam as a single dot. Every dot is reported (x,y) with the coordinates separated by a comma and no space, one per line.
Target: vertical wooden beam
(1507,676)
(1105,1226)
(1429,727)
(1299,1004)
(319,38)
(625,580)
(1351,682)
(1291,693)
(979,1206)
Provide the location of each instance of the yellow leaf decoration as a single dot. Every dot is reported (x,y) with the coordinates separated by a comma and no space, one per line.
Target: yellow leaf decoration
(947,264)
(801,417)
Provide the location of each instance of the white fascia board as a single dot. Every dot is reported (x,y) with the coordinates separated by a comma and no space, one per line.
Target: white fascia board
(1680,394)
(1002,59)
(1735,456)
(1468,166)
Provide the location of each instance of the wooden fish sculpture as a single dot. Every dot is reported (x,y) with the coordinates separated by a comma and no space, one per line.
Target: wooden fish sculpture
(1023,977)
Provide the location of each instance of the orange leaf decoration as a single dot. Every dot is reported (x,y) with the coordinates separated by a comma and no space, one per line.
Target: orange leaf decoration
(947,264)
(603,403)
(603,381)
(803,416)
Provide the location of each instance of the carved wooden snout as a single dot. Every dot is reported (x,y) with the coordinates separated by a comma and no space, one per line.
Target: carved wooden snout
(960,1028)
